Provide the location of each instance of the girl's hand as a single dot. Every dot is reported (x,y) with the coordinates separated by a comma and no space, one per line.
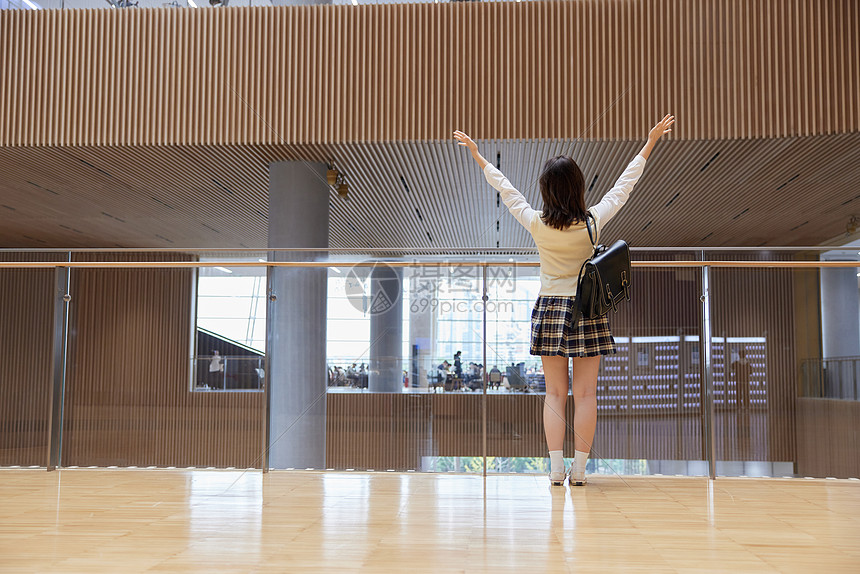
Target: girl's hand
(664,126)
(463,139)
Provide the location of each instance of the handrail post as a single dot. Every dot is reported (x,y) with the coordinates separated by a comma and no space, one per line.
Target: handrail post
(62,298)
(484,297)
(271,297)
(707,382)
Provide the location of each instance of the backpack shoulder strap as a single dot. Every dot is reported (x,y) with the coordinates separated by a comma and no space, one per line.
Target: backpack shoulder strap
(591,236)
(577,304)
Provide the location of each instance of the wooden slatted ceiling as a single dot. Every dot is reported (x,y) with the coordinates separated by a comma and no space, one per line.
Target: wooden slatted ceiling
(596,69)
(791,191)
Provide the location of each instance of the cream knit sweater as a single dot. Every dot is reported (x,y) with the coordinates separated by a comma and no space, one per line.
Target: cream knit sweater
(562,252)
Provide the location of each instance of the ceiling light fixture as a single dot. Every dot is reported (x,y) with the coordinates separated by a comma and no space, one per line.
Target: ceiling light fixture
(336,180)
(331,175)
(343,189)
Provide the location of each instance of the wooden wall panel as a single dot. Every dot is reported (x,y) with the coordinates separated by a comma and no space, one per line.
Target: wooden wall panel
(26,328)
(128,400)
(593,69)
(827,440)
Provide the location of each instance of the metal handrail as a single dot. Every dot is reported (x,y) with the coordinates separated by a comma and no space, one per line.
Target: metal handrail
(394,263)
(418,250)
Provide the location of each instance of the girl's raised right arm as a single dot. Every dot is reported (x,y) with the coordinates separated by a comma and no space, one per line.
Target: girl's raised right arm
(617,196)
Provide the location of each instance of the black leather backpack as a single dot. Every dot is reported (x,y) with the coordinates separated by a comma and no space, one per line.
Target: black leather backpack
(604,278)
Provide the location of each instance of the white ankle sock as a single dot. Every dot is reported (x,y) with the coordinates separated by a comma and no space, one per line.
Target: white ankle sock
(556,461)
(579,461)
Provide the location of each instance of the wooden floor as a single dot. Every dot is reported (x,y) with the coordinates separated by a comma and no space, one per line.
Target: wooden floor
(229,521)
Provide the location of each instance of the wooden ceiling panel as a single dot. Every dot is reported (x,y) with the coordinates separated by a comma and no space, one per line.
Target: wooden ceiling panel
(789,191)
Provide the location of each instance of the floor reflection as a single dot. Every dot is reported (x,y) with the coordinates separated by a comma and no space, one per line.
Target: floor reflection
(224,512)
(181,521)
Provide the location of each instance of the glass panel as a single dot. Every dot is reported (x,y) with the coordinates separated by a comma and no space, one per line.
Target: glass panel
(811,318)
(841,378)
(399,397)
(648,393)
(396,396)
(26,354)
(766,337)
(127,393)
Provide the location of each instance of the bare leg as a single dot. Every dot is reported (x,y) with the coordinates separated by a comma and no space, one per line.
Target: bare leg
(555,370)
(584,400)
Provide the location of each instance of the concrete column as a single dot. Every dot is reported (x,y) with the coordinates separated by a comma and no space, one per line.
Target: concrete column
(296,321)
(386,330)
(840,313)
(422,290)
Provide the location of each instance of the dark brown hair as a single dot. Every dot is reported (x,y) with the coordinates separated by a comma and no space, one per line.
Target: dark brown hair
(562,187)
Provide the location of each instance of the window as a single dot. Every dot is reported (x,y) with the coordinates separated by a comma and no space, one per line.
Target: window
(230,333)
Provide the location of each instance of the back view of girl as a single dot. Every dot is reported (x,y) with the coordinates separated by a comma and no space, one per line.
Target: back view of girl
(563,244)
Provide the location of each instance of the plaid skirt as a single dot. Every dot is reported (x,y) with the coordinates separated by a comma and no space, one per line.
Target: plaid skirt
(552,333)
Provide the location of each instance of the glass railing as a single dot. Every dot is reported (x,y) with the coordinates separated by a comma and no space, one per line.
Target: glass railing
(831,378)
(349,360)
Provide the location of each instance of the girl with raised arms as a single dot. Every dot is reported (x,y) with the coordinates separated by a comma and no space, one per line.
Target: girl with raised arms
(563,245)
